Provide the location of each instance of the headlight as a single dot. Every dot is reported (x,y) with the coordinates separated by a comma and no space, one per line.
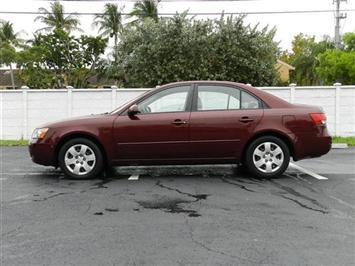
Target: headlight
(39,133)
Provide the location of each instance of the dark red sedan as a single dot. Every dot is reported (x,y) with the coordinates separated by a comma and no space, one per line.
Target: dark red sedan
(195,122)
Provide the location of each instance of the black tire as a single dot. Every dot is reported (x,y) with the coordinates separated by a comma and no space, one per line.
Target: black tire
(97,166)
(254,170)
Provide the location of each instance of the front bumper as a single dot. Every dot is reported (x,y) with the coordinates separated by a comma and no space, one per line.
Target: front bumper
(42,153)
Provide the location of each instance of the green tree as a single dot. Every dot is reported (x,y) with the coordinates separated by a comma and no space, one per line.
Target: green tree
(304,57)
(8,41)
(338,65)
(55,18)
(349,41)
(184,49)
(58,59)
(145,9)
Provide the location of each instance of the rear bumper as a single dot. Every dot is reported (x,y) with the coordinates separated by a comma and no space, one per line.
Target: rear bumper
(310,145)
(42,153)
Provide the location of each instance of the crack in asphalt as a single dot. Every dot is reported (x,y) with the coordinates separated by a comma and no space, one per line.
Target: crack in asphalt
(169,205)
(245,182)
(304,205)
(323,209)
(53,196)
(204,246)
(298,194)
(12,231)
(102,183)
(197,197)
(89,207)
(307,185)
(236,184)
(111,209)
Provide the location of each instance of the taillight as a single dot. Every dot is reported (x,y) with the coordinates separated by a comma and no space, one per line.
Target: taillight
(319,119)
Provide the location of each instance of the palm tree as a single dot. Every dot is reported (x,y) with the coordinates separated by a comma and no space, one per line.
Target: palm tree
(8,41)
(56,19)
(110,22)
(7,33)
(110,25)
(144,9)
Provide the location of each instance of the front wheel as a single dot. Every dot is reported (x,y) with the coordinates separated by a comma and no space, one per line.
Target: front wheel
(267,157)
(80,158)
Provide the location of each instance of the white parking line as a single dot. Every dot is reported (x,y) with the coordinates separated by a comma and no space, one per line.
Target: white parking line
(308,172)
(3,178)
(29,173)
(134,177)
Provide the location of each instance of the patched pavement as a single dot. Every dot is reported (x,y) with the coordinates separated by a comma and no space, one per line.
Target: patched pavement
(180,215)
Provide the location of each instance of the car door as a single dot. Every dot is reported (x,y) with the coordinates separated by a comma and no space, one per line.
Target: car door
(222,119)
(159,131)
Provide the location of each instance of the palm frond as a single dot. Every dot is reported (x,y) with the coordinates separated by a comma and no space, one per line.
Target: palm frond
(110,22)
(55,18)
(145,9)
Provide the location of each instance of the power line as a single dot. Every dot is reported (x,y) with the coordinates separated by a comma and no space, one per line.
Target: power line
(159,1)
(190,13)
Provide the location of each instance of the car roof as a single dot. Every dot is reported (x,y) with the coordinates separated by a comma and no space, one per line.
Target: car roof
(203,81)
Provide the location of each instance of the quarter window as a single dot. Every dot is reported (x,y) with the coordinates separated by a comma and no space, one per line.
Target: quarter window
(168,100)
(249,102)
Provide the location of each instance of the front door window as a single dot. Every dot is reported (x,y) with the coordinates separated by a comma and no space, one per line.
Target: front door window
(166,101)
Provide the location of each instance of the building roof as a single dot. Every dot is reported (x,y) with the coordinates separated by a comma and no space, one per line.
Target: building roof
(285,64)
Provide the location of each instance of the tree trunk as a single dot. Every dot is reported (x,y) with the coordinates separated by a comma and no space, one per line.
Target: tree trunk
(115,49)
(12,77)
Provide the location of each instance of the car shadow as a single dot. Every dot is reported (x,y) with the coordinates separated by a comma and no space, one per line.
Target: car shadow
(230,174)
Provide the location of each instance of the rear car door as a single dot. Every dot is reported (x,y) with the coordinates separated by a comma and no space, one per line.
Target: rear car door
(160,131)
(222,119)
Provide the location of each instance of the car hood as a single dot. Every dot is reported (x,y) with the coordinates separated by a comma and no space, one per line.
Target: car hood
(76,121)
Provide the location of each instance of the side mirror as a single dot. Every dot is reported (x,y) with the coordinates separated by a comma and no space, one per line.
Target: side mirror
(133,110)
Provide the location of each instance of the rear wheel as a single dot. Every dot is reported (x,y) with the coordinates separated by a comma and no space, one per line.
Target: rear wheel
(80,158)
(267,156)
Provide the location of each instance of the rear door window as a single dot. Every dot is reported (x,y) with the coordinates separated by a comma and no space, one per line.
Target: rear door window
(217,98)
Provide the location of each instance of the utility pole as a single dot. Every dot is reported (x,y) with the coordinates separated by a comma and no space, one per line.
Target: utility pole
(338,17)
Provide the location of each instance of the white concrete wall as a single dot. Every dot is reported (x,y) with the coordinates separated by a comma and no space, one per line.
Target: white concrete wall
(23,110)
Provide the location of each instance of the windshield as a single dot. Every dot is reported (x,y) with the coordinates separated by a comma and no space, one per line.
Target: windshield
(118,109)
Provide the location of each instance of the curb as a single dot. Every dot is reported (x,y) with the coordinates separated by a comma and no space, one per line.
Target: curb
(339,146)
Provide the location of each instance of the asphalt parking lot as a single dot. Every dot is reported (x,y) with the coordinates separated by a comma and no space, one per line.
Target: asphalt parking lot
(185,215)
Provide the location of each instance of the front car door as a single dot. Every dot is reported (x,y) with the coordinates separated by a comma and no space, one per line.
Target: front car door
(159,132)
(222,119)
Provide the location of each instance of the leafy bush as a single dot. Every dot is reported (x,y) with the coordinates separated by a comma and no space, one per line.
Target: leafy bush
(178,48)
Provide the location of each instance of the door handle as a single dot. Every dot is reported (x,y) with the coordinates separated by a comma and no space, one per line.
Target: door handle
(179,122)
(246,119)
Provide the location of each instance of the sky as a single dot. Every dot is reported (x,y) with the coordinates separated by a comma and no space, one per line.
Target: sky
(287,25)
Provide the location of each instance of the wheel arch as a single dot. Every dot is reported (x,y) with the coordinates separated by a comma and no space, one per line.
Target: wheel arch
(74,135)
(284,137)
